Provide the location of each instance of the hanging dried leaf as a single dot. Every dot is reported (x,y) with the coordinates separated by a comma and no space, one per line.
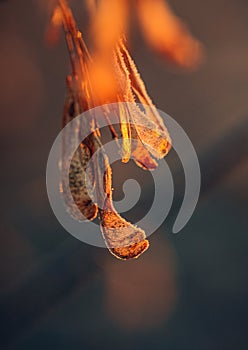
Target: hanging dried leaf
(79,189)
(147,126)
(123,239)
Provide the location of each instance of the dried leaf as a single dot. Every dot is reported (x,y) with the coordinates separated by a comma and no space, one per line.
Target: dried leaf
(147,125)
(81,195)
(124,240)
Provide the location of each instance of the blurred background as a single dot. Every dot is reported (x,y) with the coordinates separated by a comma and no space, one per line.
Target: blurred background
(188,291)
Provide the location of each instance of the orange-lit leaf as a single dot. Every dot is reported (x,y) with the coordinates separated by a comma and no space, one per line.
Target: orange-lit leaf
(147,125)
(54,28)
(166,33)
(80,193)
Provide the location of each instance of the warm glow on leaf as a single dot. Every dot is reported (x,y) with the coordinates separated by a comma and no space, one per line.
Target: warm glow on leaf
(166,33)
(109,23)
(54,29)
(126,135)
(155,137)
(103,80)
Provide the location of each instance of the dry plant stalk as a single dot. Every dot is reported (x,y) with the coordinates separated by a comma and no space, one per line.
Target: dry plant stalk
(109,75)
